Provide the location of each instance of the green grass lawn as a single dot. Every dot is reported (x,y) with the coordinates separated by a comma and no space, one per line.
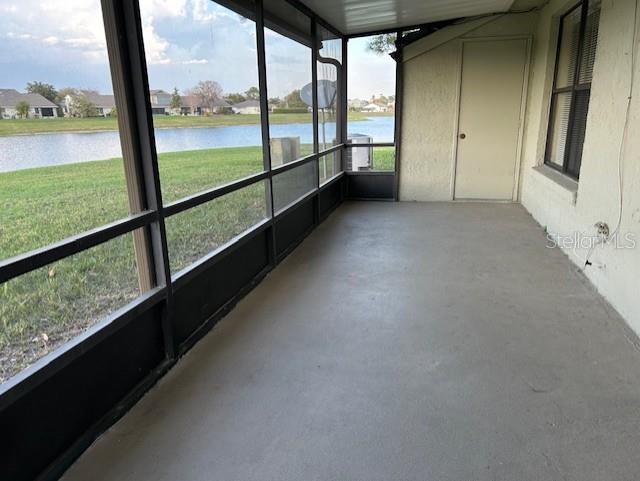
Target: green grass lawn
(41,310)
(32,126)
(384,158)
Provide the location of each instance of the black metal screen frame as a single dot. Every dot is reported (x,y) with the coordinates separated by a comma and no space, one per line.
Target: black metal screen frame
(124,18)
(368,183)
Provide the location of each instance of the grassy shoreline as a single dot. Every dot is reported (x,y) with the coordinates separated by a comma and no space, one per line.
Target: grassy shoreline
(45,308)
(100,124)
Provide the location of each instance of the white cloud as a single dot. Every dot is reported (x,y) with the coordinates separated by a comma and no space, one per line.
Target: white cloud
(78,25)
(160,9)
(80,42)
(179,36)
(268,33)
(201,11)
(205,11)
(20,36)
(73,23)
(200,61)
(157,47)
(154,45)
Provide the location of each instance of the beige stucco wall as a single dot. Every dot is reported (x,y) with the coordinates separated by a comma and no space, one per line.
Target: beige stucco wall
(429,111)
(428,125)
(431,73)
(616,273)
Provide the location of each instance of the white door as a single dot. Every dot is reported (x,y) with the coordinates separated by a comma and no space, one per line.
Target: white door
(493,76)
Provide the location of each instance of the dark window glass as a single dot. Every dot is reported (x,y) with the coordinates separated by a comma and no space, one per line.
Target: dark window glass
(561,108)
(588,54)
(578,128)
(568,52)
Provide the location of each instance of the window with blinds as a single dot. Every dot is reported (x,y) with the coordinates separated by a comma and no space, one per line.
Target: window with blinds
(572,87)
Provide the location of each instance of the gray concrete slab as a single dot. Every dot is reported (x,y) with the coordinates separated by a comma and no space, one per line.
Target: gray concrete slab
(398,342)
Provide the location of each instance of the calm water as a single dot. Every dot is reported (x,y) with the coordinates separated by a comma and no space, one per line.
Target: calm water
(28,151)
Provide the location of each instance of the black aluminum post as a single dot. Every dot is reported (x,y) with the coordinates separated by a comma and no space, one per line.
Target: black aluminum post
(264,122)
(343,99)
(398,114)
(314,100)
(132,69)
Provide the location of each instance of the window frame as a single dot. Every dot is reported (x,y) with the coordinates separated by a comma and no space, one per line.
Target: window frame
(573,89)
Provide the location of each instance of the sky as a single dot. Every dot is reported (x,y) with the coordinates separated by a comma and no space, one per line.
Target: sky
(62,42)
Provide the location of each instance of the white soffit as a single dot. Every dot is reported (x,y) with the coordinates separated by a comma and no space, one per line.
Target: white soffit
(361,16)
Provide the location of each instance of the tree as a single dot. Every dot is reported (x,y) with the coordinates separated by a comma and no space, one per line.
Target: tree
(252,94)
(294,101)
(382,44)
(22,108)
(381,100)
(275,101)
(235,98)
(176,101)
(46,90)
(208,93)
(62,93)
(82,107)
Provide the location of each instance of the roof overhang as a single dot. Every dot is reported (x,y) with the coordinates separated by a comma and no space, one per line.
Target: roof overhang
(357,17)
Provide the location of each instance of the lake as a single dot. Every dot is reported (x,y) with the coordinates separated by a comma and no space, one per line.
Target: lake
(40,150)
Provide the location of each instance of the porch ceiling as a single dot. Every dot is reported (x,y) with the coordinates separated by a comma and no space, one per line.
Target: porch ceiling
(362,16)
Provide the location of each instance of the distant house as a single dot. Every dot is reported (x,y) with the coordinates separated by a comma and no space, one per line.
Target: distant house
(193,105)
(356,104)
(247,107)
(381,104)
(160,102)
(220,106)
(104,104)
(39,107)
(371,107)
(189,105)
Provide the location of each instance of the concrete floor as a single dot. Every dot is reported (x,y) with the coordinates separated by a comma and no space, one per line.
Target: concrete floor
(398,342)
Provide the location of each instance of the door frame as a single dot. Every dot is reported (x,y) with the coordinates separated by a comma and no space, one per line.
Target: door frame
(515,197)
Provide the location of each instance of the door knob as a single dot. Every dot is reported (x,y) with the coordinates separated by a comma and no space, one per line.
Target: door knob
(463,136)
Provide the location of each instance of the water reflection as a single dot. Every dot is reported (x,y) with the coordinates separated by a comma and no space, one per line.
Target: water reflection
(41,150)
